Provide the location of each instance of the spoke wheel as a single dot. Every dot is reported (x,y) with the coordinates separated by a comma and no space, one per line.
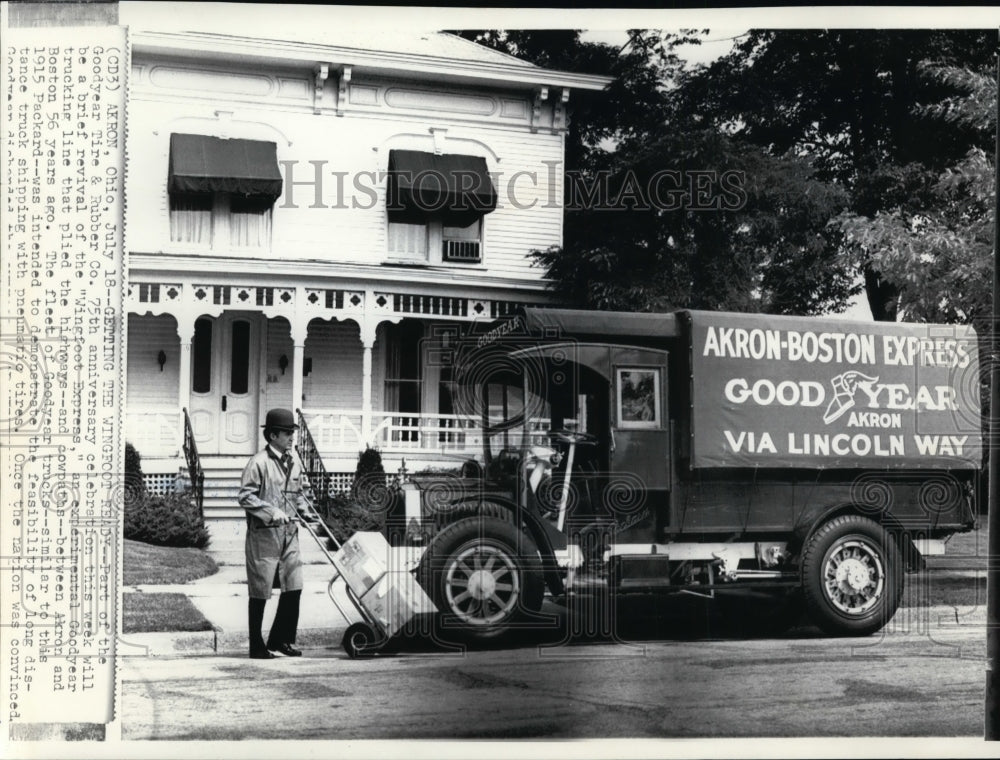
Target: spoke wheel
(852,576)
(484,575)
(482,584)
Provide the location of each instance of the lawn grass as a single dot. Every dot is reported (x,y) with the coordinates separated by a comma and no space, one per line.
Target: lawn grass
(930,589)
(975,543)
(144,613)
(147,564)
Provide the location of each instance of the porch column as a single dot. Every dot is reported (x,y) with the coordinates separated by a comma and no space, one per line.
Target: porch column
(300,329)
(185,331)
(368,330)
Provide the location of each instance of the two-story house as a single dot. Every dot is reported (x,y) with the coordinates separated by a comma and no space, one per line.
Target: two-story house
(307,224)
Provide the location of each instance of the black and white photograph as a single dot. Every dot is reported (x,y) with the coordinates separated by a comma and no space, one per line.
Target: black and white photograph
(424,381)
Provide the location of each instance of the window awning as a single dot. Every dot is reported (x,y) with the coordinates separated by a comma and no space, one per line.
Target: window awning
(455,188)
(203,164)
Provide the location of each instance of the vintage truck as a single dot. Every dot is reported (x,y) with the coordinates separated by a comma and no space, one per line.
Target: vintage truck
(815,459)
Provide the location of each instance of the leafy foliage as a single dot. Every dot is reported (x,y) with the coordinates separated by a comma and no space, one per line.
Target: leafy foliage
(345,516)
(936,246)
(855,104)
(770,252)
(367,505)
(135,482)
(169,520)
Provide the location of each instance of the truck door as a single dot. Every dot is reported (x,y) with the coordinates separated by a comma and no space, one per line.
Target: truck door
(640,433)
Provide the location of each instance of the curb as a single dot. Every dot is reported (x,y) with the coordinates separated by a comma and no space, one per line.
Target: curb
(234,643)
(217,642)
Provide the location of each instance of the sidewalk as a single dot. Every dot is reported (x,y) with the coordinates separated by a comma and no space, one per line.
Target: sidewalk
(222,599)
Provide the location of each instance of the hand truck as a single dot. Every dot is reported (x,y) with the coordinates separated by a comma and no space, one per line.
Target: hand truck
(361,639)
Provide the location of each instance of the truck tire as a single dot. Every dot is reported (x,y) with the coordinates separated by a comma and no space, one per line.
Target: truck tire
(852,576)
(485,576)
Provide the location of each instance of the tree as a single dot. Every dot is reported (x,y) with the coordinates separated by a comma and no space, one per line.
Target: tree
(937,245)
(755,239)
(763,246)
(848,101)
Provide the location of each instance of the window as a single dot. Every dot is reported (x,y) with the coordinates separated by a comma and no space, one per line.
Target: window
(239,382)
(435,205)
(191,218)
(419,242)
(403,373)
(201,357)
(222,191)
(461,243)
(408,241)
(638,398)
(208,220)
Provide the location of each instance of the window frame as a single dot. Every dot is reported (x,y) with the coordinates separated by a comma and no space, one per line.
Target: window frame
(630,424)
(434,245)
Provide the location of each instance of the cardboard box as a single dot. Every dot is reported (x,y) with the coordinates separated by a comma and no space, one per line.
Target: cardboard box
(363,560)
(395,599)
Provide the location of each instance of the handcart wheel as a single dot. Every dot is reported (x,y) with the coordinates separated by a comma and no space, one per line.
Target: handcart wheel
(359,640)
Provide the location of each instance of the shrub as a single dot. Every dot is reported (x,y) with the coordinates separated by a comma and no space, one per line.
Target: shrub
(169,520)
(369,502)
(369,478)
(345,516)
(135,481)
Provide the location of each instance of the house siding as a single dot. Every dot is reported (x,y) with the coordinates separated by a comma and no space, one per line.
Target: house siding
(348,226)
(336,353)
(148,387)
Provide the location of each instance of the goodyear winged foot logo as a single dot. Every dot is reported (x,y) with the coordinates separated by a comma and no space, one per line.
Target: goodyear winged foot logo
(845,385)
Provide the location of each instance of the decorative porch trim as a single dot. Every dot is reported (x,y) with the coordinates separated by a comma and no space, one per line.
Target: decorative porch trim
(328,303)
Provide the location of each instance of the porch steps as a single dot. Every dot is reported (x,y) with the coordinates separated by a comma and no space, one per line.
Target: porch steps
(222,485)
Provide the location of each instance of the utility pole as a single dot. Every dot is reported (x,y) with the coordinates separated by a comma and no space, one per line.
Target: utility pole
(992,701)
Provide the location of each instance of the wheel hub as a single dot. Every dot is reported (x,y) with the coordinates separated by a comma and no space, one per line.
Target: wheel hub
(852,575)
(482,584)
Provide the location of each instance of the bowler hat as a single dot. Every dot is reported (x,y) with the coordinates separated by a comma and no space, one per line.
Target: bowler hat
(280,419)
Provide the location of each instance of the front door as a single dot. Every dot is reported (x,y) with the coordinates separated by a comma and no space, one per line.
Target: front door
(225,382)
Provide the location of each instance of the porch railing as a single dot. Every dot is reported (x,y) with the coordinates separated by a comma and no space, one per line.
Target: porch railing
(312,463)
(195,473)
(345,431)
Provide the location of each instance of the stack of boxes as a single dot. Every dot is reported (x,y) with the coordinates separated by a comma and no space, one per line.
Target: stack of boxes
(390,594)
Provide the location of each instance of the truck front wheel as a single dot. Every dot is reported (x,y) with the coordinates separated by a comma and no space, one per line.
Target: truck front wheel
(484,575)
(852,576)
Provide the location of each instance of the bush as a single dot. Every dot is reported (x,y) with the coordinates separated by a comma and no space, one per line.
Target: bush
(345,516)
(369,502)
(169,520)
(135,481)
(369,487)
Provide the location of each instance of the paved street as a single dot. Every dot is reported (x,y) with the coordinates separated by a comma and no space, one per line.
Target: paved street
(920,677)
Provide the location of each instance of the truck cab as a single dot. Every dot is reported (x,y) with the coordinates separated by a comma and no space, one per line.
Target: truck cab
(817,460)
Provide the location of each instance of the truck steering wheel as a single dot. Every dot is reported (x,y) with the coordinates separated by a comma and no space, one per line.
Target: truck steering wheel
(572,436)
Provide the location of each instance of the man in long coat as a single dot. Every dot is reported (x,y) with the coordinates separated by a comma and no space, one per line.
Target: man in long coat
(272,491)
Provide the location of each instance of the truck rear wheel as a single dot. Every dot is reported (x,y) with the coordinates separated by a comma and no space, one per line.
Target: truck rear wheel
(852,576)
(484,575)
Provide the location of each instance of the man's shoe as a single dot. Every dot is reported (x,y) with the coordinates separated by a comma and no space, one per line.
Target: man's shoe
(288,650)
(260,654)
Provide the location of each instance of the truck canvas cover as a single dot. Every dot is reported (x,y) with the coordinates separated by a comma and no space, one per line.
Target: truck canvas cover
(770,391)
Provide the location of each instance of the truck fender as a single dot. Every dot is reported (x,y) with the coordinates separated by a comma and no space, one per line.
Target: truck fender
(805,529)
(536,529)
